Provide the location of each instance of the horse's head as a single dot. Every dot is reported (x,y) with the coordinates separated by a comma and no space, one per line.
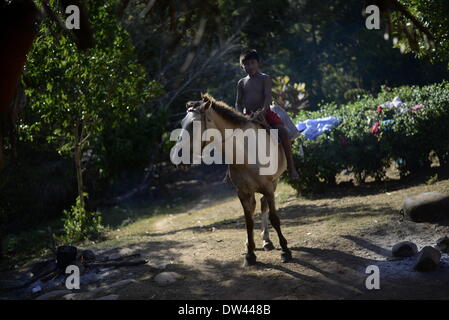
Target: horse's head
(196,115)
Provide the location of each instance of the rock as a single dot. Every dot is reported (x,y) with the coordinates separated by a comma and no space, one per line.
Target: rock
(426,207)
(443,244)
(404,249)
(72,296)
(109,297)
(165,278)
(428,259)
(53,294)
(160,266)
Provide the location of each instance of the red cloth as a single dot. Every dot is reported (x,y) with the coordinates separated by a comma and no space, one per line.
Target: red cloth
(273,118)
(375,129)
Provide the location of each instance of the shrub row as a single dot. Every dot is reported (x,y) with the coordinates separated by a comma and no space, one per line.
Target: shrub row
(407,139)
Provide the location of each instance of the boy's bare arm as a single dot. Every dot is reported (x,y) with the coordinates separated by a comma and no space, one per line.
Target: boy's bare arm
(267,94)
(239,99)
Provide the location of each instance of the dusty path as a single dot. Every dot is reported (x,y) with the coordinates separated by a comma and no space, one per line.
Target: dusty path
(333,240)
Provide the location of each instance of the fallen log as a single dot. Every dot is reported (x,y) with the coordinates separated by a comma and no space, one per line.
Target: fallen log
(116,264)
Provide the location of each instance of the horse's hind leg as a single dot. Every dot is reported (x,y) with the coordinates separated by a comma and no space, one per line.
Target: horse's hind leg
(249,204)
(286,254)
(267,244)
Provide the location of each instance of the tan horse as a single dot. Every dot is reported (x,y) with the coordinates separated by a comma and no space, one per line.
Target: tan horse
(246,177)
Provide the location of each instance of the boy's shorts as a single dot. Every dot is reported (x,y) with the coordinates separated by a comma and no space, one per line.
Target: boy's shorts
(272,118)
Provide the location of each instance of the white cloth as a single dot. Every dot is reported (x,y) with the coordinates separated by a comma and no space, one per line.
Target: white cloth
(312,128)
(393,104)
(293,133)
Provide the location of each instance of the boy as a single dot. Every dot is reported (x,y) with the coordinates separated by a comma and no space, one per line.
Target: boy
(254,93)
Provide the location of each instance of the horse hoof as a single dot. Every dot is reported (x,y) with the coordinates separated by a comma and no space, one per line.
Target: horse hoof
(286,256)
(250,260)
(268,246)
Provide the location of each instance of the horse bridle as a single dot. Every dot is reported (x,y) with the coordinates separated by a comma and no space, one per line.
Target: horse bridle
(203,123)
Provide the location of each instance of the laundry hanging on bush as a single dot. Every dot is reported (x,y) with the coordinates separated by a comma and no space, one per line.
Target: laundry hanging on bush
(395,104)
(417,107)
(312,128)
(398,105)
(375,129)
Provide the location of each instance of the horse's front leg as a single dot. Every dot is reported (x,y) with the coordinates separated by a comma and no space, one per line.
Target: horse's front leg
(249,204)
(286,254)
(267,244)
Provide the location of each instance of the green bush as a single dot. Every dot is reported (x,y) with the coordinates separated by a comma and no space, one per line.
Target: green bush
(80,224)
(408,139)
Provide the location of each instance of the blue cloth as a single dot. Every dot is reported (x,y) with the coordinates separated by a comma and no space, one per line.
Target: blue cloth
(388,124)
(313,128)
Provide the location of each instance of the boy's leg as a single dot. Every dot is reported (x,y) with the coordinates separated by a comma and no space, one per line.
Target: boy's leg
(286,144)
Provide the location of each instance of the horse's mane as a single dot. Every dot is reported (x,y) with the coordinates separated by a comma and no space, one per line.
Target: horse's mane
(226,111)
(231,114)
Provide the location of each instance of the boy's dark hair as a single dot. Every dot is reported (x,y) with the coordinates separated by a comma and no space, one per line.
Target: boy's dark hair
(249,54)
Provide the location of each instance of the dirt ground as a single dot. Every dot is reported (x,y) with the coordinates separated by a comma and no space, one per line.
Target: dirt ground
(333,239)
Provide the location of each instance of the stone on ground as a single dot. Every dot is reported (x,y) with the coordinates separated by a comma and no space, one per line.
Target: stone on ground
(443,244)
(404,249)
(164,278)
(428,259)
(426,207)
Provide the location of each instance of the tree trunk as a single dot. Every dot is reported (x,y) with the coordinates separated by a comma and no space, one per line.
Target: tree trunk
(79,168)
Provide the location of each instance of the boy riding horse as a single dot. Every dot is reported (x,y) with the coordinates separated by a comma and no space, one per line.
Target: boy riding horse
(253,94)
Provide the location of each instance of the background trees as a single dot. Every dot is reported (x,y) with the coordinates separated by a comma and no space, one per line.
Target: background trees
(98,122)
